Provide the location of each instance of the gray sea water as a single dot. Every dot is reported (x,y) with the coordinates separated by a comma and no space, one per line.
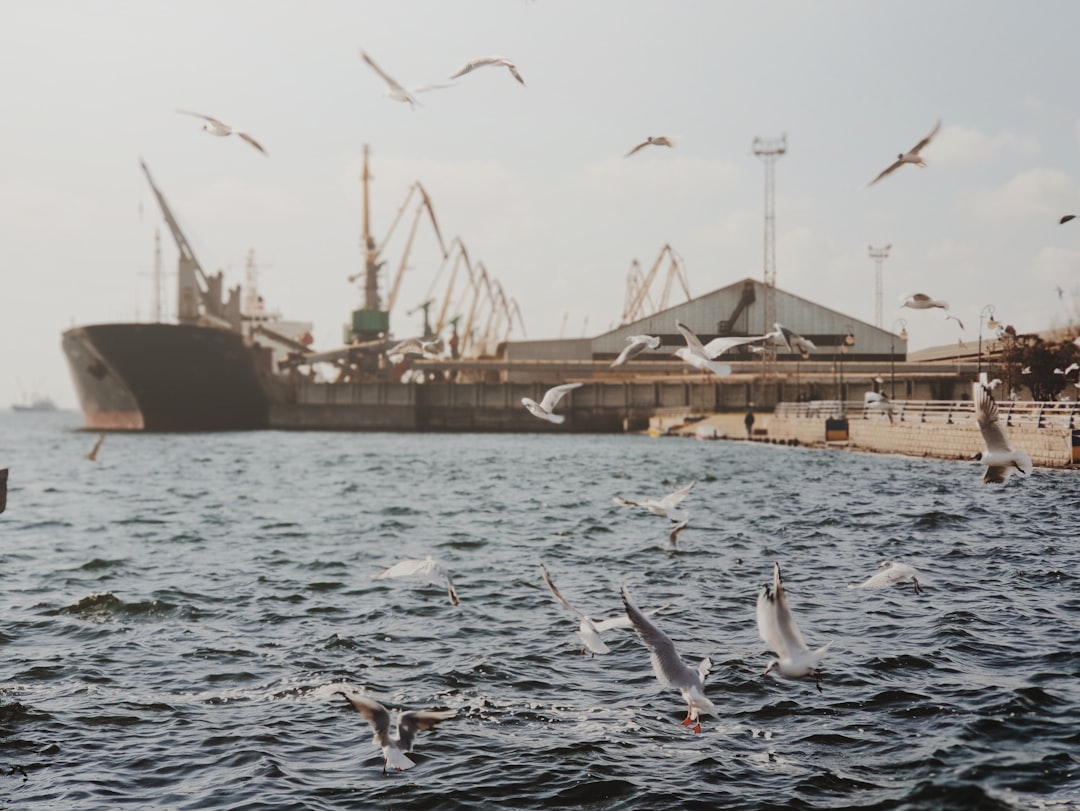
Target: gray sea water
(175,620)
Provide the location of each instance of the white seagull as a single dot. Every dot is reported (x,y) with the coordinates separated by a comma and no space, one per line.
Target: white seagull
(665,505)
(660,140)
(777,628)
(999,457)
(693,354)
(483,61)
(395,90)
(635,345)
(589,629)
(791,339)
(912,156)
(890,572)
(921,301)
(550,400)
(221,129)
(427,570)
(1072,367)
(416,348)
(409,723)
(669,667)
(718,346)
(876,401)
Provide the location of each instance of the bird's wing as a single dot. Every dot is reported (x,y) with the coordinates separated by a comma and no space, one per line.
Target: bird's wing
(986,412)
(450,590)
(556,393)
(668,666)
(1066,218)
(692,340)
(385,76)
(669,500)
(374,713)
(472,64)
(253,142)
(915,149)
(623,621)
(949,315)
(513,72)
(624,502)
(629,351)
(662,140)
(637,148)
(775,624)
(211,119)
(558,594)
(718,346)
(892,168)
(404,568)
(413,721)
(426,87)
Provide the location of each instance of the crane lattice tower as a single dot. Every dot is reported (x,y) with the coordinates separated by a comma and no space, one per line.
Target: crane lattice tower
(769,150)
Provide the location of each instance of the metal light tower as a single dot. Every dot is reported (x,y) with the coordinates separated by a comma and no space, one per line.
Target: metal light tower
(879,255)
(769,150)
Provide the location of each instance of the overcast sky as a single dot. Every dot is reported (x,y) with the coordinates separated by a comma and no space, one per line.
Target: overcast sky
(534,179)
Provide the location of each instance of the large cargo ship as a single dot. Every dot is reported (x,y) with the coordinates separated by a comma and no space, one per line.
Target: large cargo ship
(212,370)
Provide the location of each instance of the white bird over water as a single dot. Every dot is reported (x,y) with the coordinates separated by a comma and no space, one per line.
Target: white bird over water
(693,354)
(777,628)
(911,156)
(395,90)
(999,457)
(221,129)
(497,61)
(660,140)
(890,572)
(550,400)
(665,505)
(427,570)
(589,629)
(394,747)
(669,667)
(635,345)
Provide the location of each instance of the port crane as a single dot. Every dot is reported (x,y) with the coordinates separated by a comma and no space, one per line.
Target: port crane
(639,302)
(199,295)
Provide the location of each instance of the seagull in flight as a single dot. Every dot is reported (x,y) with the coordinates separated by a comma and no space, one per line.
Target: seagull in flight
(665,505)
(669,667)
(221,129)
(394,746)
(791,339)
(635,345)
(921,301)
(483,61)
(694,354)
(777,628)
(911,156)
(876,401)
(890,572)
(415,348)
(427,570)
(718,346)
(999,456)
(660,140)
(550,400)
(397,91)
(589,630)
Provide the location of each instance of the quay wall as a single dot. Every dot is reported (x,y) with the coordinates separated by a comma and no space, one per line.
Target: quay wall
(1048,446)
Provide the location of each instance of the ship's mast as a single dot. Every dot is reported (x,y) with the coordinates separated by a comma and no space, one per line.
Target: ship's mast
(157,275)
(371,275)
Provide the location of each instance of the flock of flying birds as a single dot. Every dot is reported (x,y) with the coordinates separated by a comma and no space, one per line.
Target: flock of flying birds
(776,625)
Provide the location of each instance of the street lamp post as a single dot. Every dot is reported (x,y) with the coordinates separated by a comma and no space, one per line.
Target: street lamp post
(845,344)
(892,351)
(990,324)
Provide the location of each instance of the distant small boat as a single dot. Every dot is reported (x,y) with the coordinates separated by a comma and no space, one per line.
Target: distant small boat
(37,403)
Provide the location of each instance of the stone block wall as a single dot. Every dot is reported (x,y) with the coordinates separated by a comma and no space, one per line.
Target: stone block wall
(1047,447)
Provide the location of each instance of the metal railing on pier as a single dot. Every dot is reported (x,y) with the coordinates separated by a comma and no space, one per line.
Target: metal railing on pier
(948,412)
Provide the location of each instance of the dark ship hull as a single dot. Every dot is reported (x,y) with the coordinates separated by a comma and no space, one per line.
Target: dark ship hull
(169,377)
